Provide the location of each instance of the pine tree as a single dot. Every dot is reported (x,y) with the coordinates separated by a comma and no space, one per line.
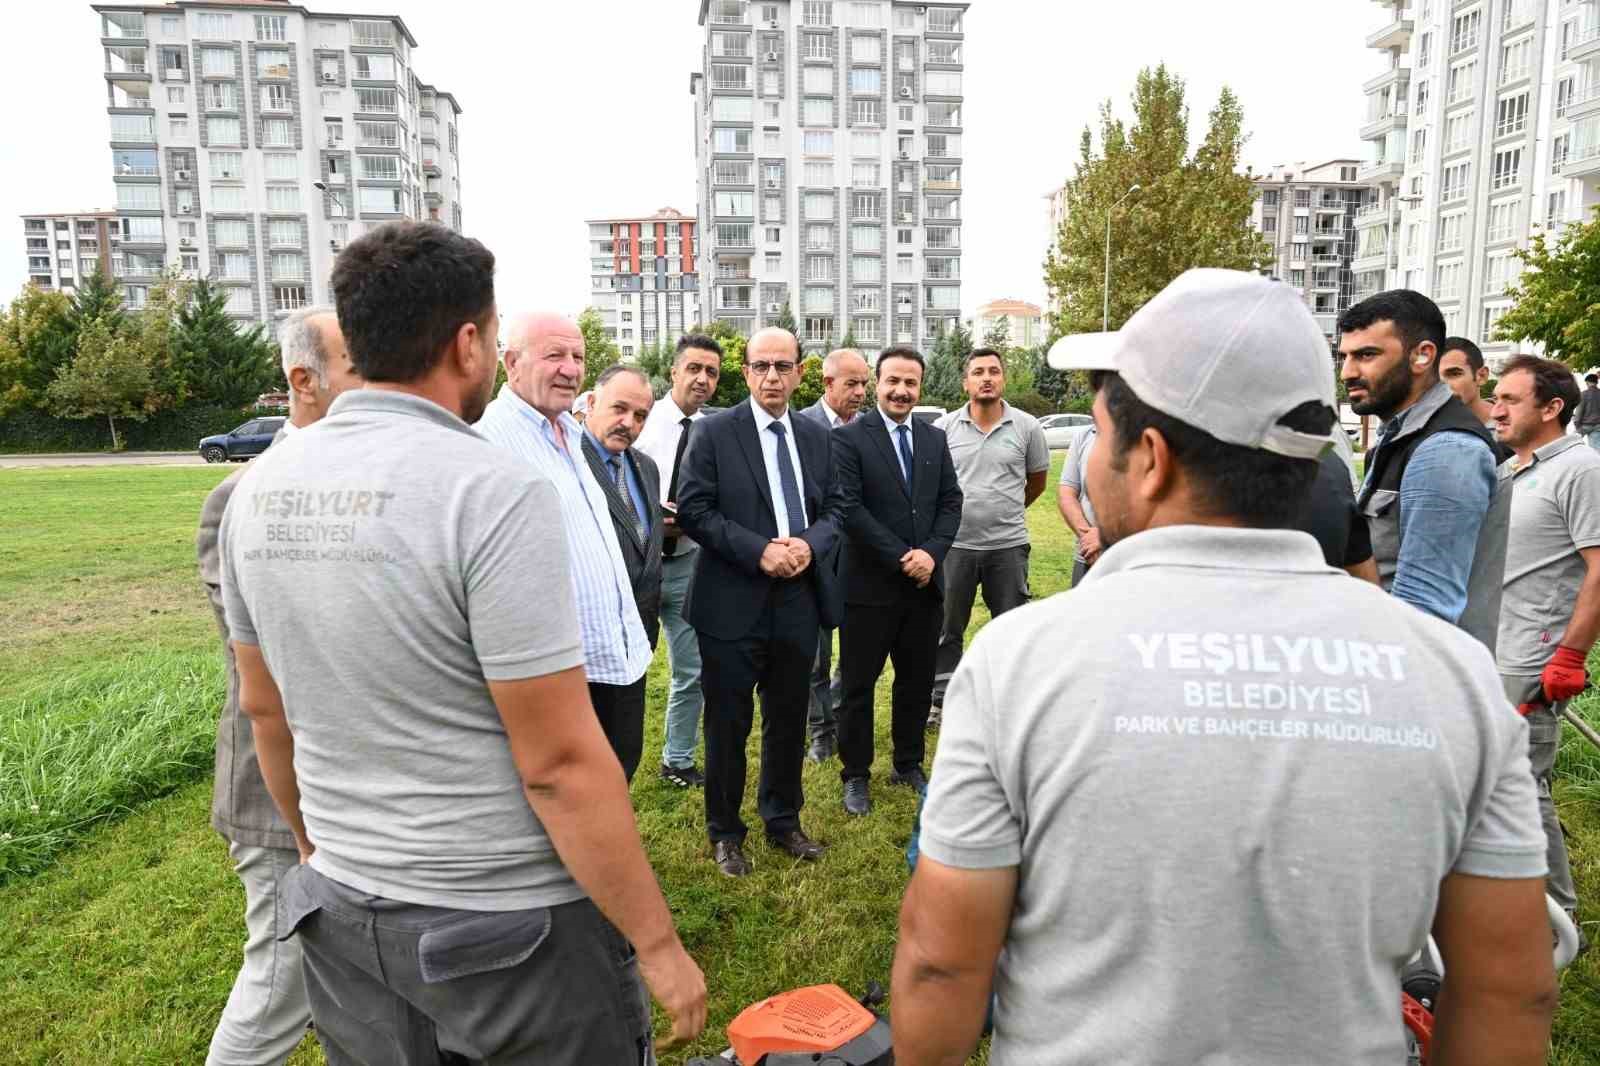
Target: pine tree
(98,298)
(849,340)
(941,384)
(786,320)
(36,340)
(219,364)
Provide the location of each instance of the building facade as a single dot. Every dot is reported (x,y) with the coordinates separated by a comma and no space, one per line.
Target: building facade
(828,151)
(1308,214)
(250,141)
(644,278)
(63,249)
(1484,129)
(1024,322)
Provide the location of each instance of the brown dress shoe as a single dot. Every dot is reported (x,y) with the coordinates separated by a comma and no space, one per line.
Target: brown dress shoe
(730,858)
(797,844)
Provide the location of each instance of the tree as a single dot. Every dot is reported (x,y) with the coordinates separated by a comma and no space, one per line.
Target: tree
(809,391)
(220,365)
(153,329)
(656,361)
(999,335)
(941,384)
(36,340)
(99,297)
(731,388)
(107,378)
(849,339)
(1558,298)
(1188,212)
(599,350)
(786,321)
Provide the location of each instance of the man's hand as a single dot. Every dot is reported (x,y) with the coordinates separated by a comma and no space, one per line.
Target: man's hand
(917,565)
(1564,676)
(1089,544)
(678,985)
(777,560)
(306,849)
(799,553)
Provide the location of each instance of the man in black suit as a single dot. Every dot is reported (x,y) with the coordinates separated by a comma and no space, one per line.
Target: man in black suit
(632,484)
(756,495)
(902,507)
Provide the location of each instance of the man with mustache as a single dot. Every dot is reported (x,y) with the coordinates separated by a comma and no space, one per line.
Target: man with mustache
(531,418)
(617,412)
(1438,522)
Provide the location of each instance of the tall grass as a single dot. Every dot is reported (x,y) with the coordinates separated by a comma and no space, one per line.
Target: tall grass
(91,745)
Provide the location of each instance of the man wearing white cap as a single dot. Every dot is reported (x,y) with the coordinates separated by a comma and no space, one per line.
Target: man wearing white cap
(1206,806)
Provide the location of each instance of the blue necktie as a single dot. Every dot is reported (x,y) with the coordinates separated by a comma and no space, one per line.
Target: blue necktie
(791,485)
(903,433)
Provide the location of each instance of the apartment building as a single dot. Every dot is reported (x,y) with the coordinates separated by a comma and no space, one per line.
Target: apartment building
(1024,322)
(1484,129)
(644,277)
(251,140)
(63,249)
(1307,212)
(828,151)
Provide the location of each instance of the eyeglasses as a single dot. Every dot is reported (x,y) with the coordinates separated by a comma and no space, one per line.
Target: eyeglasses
(762,369)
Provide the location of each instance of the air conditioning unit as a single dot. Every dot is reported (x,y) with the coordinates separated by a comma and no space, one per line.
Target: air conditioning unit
(334,245)
(186,242)
(772,57)
(905,155)
(772,24)
(186,209)
(227,173)
(905,92)
(330,77)
(775,308)
(183,175)
(772,183)
(922,11)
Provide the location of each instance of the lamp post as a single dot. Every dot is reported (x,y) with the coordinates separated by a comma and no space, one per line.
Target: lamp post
(1105,309)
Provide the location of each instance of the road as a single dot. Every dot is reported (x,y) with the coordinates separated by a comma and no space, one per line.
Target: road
(15,462)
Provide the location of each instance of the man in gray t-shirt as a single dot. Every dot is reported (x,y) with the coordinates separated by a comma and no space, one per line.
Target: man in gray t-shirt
(1072,500)
(397,596)
(1205,807)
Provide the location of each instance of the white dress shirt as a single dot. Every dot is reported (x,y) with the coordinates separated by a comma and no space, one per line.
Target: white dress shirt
(894,439)
(659,438)
(834,421)
(769,453)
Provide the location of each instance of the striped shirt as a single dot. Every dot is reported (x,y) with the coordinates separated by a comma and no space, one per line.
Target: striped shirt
(615,649)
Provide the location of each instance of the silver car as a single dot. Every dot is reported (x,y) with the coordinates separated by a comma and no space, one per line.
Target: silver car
(1061,430)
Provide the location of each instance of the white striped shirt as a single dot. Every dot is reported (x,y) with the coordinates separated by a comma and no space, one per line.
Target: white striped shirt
(615,649)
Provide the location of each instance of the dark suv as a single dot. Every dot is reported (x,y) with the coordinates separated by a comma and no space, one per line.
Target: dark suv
(237,445)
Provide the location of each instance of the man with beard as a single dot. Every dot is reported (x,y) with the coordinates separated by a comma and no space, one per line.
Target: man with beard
(1438,522)
(695,370)
(1128,806)
(617,413)
(1550,615)
(397,595)
(531,418)
(1001,460)
(901,506)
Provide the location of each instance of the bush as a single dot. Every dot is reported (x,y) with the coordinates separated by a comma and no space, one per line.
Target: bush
(1033,402)
(166,431)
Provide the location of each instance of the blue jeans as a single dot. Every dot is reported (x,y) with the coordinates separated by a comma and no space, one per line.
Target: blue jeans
(684,701)
(1593,437)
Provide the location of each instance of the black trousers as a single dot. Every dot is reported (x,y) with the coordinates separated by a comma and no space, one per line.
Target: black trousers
(620,709)
(906,633)
(776,656)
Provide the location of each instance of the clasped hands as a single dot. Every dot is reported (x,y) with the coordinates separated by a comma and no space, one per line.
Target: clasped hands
(918,566)
(785,557)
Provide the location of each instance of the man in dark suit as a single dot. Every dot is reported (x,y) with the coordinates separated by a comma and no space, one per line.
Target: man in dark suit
(902,507)
(844,386)
(632,485)
(756,495)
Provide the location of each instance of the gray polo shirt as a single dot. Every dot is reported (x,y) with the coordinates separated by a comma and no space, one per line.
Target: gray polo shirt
(1555,513)
(1222,767)
(993,470)
(1072,475)
(389,562)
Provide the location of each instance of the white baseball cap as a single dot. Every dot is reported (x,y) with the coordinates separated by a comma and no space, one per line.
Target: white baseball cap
(1224,351)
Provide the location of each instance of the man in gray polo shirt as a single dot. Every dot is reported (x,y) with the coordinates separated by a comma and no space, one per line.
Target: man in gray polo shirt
(1072,500)
(1204,808)
(1550,612)
(397,595)
(1001,460)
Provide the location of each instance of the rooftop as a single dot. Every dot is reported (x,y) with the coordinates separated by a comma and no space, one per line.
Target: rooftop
(1020,308)
(665,214)
(276,5)
(1298,171)
(98,212)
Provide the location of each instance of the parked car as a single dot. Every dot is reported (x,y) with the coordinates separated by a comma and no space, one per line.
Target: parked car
(1061,430)
(242,442)
(927,412)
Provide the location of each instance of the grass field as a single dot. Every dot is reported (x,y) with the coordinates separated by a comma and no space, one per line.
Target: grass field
(120,919)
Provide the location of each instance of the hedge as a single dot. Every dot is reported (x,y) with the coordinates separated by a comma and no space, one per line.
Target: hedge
(166,431)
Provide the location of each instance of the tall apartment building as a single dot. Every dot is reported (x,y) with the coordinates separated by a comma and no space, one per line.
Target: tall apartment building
(1307,212)
(828,150)
(1484,128)
(251,140)
(1024,322)
(644,277)
(63,249)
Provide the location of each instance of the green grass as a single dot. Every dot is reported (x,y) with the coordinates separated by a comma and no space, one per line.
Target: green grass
(123,948)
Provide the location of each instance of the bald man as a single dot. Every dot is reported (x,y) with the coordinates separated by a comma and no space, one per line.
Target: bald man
(844,387)
(531,418)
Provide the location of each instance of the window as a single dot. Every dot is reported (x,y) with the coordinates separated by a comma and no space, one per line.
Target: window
(819,46)
(944,208)
(732,109)
(774,262)
(1507,168)
(864,80)
(1419,144)
(376,101)
(140,128)
(944,51)
(1413,239)
(1457,132)
(272,27)
(818,205)
(941,297)
(818,299)
(1421,95)
(216,62)
(819,173)
(380,201)
(380,167)
(175,94)
(866,49)
(1564,94)
(369,67)
(818,80)
(819,238)
(1511,115)
(227,166)
(944,114)
(338,203)
(729,45)
(866,206)
(1297,278)
(771,83)
(866,238)
(214,27)
(223,131)
(1302,224)
(221,96)
(333,132)
(733,203)
(1451,231)
(734,235)
(272,63)
(1424,52)
(733,171)
(866,14)
(1453,187)
(817,13)
(1461,80)
(280,166)
(1491,322)
(815,112)
(274,98)
(235,266)
(288,297)
(866,269)
(373,34)
(277,133)
(865,174)
(943,82)
(818,142)
(1464,31)
(1447,284)
(1503,220)
(727,139)
(378,134)
(868,112)
(1269,224)
(1555,211)
(288,266)
(771,111)
(944,145)
(171,26)
(772,142)
(240,302)
(733,76)
(819,268)
(903,236)
(866,143)
(943,237)
(283,199)
(1515,59)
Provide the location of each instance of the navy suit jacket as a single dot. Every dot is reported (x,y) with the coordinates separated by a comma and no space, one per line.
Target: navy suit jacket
(883,519)
(725,505)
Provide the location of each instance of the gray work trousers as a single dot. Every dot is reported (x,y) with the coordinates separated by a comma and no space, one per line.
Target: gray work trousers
(266,1015)
(1003,575)
(1544,737)
(822,716)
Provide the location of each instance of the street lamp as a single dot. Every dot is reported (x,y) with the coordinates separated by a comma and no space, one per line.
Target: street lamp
(1105,310)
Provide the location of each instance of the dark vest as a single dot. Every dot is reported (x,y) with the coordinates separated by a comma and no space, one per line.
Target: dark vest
(1438,412)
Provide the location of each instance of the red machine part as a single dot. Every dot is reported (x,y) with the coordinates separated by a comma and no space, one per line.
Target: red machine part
(1420,1021)
(816,1019)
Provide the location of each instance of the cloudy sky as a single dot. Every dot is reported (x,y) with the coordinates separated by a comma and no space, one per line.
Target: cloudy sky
(581,109)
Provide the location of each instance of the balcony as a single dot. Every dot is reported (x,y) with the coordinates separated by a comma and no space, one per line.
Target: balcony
(122,27)
(127,64)
(1582,162)
(1393,77)
(1377,260)
(1386,170)
(1395,35)
(1585,44)
(1377,127)
(1584,101)
(1327,260)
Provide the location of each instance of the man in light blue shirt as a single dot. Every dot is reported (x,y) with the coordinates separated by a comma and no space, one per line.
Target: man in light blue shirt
(531,419)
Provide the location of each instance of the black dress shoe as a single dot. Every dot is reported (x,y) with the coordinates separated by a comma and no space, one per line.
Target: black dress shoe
(857,797)
(823,746)
(797,844)
(730,858)
(912,778)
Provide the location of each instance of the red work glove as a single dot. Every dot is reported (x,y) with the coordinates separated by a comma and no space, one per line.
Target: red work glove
(1564,676)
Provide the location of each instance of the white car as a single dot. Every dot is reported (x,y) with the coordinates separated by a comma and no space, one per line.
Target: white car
(1061,430)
